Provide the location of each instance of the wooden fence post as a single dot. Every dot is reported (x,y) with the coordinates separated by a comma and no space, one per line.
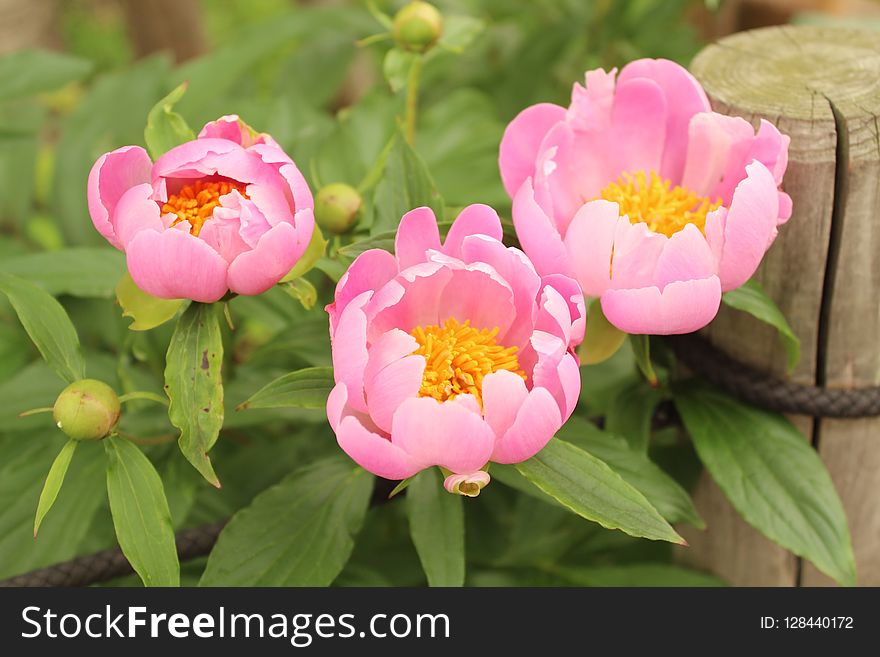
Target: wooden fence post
(821,86)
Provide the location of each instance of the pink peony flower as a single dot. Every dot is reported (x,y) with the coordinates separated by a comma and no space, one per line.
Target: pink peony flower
(654,203)
(452,354)
(226,211)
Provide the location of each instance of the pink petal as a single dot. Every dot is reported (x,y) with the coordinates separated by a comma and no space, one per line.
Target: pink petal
(574,297)
(476,219)
(188,160)
(537,420)
(556,370)
(750,226)
(136,211)
(349,349)
(516,270)
(538,235)
(589,242)
(299,188)
(503,394)
(715,141)
(369,271)
(412,299)
(416,234)
(111,176)
(373,452)
(681,307)
(444,434)
(685,97)
(254,272)
(173,264)
(685,256)
(638,126)
(228,127)
(398,381)
(518,153)
(480,295)
(635,254)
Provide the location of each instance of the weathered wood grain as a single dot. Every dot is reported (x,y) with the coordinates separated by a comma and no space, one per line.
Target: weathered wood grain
(821,86)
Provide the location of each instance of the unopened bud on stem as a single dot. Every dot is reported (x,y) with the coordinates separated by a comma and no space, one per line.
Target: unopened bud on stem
(337,207)
(417,26)
(87,409)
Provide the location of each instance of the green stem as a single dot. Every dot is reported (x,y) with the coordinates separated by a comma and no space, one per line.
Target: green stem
(35,411)
(412,99)
(143,394)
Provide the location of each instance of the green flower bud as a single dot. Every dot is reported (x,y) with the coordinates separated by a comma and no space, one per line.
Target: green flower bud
(87,409)
(417,26)
(337,206)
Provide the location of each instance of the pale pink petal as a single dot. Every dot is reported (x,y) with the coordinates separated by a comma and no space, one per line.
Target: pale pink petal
(478,294)
(188,160)
(638,126)
(463,484)
(228,127)
(412,299)
(399,380)
(349,349)
(476,219)
(574,297)
(390,347)
(373,452)
(685,256)
(591,103)
(272,154)
(635,254)
(538,235)
(537,420)
(111,176)
(556,370)
(681,307)
(136,211)
(685,97)
(517,271)
(416,234)
(503,394)
(518,153)
(173,264)
(278,250)
(784,208)
(369,271)
(715,140)
(444,434)
(750,226)
(589,242)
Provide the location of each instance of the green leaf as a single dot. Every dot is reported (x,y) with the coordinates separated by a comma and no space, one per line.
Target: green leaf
(307,388)
(303,291)
(661,490)
(631,411)
(30,72)
(406,185)
(436,525)
(53,482)
(636,574)
(147,311)
(299,532)
(602,339)
(459,32)
(772,476)
(166,128)
(194,384)
(314,252)
(591,489)
(751,298)
(383,240)
(80,272)
(140,514)
(641,347)
(396,66)
(48,326)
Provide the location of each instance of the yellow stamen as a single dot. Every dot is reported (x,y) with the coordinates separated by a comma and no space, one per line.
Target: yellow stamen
(458,357)
(649,199)
(195,203)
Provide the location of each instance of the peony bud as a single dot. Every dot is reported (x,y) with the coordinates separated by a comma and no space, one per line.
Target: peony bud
(86,410)
(337,206)
(417,26)
(468,485)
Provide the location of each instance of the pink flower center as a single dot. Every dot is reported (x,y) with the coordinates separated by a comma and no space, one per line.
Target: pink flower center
(458,357)
(195,203)
(647,198)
